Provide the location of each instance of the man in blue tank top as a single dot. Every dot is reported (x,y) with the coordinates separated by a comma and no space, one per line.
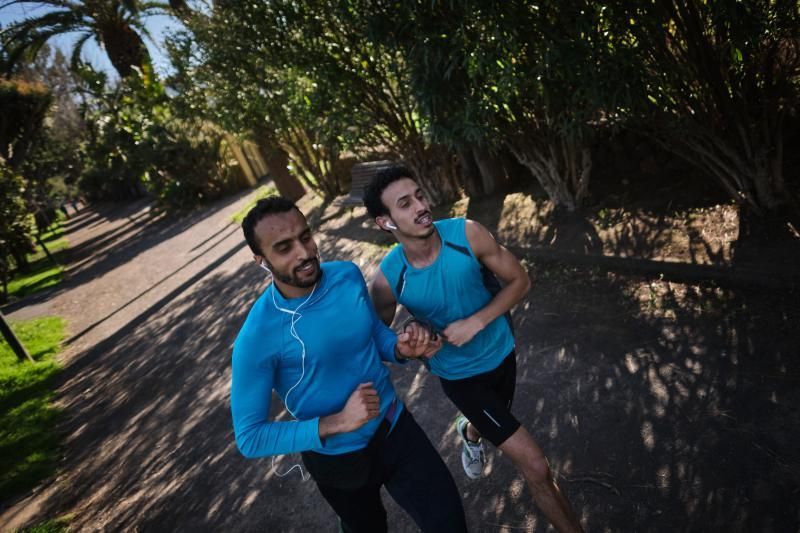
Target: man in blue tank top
(314,338)
(445,274)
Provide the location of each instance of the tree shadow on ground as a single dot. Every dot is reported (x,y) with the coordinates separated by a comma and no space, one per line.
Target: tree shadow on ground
(662,406)
(141,230)
(159,390)
(144,229)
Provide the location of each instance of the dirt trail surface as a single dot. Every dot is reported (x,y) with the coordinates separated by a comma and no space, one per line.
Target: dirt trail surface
(662,405)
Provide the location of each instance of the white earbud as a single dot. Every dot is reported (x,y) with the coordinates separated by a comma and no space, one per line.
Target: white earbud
(263,265)
(390,225)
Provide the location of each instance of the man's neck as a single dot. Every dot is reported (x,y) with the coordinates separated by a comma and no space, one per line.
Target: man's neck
(421,252)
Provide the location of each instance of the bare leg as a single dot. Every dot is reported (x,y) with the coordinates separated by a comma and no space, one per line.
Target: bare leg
(472,433)
(530,459)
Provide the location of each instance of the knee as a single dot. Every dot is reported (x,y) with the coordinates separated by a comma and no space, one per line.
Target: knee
(536,469)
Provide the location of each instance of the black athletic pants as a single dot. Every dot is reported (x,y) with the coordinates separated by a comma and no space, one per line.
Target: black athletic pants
(412,471)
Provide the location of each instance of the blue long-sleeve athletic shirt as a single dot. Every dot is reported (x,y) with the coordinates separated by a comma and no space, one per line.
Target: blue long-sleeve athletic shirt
(345,344)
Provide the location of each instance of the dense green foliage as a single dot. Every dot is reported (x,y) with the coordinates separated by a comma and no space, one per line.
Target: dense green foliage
(537,79)
(16,224)
(719,79)
(53,162)
(464,92)
(309,78)
(137,143)
(25,106)
(542,81)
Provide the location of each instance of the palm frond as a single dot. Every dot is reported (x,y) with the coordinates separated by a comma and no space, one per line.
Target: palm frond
(53,3)
(77,49)
(29,48)
(19,30)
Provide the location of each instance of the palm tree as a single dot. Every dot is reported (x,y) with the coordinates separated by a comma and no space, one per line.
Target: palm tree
(116,25)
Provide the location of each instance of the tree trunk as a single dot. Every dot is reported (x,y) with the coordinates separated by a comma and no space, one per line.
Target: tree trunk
(13,341)
(278,160)
(20,257)
(491,168)
(562,166)
(470,172)
(46,251)
(316,162)
(752,176)
(180,8)
(125,49)
(437,173)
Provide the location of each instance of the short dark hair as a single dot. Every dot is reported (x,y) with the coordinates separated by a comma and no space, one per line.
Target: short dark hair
(271,205)
(381,180)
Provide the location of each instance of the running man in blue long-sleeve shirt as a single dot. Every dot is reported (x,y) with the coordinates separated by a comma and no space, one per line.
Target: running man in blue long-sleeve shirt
(314,337)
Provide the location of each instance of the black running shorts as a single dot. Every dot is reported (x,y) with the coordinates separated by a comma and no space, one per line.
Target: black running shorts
(485,399)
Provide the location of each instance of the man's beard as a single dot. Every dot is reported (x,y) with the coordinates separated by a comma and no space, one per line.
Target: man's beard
(421,237)
(293,280)
(426,235)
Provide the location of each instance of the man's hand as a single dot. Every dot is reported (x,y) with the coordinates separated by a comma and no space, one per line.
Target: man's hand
(461,332)
(363,405)
(416,342)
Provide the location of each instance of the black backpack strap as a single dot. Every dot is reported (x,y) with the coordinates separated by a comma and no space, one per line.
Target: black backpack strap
(457,248)
(490,281)
(493,285)
(400,282)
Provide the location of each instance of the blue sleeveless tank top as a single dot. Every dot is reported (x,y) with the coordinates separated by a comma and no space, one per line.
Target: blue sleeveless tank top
(450,289)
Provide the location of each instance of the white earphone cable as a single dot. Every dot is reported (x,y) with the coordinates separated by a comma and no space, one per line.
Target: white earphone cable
(296,316)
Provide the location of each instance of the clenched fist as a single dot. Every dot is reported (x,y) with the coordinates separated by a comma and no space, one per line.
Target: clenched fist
(363,405)
(461,332)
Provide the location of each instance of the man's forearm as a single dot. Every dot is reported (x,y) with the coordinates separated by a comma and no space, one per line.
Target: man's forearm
(503,301)
(330,425)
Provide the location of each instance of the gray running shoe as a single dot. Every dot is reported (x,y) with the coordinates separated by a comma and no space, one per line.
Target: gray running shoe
(472,456)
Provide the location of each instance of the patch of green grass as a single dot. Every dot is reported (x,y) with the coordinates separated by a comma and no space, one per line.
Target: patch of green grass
(56,525)
(55,243)
(42,273)
(261,192)
(29,446)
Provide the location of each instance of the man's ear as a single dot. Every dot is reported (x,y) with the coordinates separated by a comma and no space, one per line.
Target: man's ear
(259,259)
(385,223)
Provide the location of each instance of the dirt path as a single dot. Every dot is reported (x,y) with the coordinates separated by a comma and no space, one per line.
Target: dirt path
(662,406)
